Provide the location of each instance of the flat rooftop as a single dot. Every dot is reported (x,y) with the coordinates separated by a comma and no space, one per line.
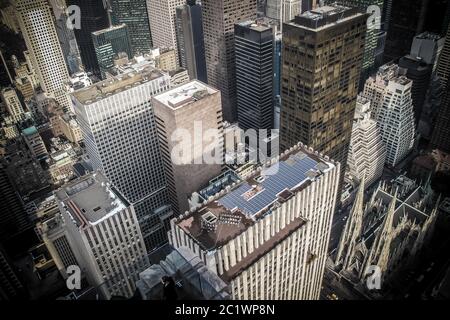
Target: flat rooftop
(90,199)
(256,25)
(112,28)
(115,85)
(185,94)
(230,214)
(325,16)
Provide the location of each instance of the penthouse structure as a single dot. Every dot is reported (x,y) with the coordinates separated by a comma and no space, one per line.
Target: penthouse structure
(267,236)
(103,234)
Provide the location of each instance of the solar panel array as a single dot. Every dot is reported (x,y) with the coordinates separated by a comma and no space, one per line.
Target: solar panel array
(290,173)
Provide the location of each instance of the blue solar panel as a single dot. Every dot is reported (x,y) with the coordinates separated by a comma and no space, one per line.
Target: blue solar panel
(290,173)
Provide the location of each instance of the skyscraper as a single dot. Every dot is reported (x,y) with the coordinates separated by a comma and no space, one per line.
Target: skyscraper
(367,152)
(392,106)
(36,20)
(13,218)
(134,14)
(162,23)
(103,234)
(407,18)
(443,67)
(10,286)
(219,18)
(283,10)
(66,36)
(420,73)
(183,114)
(191,45)
(108,43)
(267,237)
(94,17)
(12,103)
(373,29)
(117,120)
(321,64)
(441,133)
(254,49)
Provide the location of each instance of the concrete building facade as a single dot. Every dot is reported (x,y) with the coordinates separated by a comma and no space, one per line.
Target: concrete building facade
(267,236)
(183,114)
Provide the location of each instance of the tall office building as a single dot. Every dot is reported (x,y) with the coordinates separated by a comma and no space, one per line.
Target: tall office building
(11,288)
(13,218)
(13,105)
(267,237)
(219,18)
(36,20)
(373,32)
(191,45)
(103,234)
(108,43)
(118,125)
(162,23)
(443,67)
(134,14)
(66,36)
(441,132)
(254,49)
(188,112)
(34,142)
(322,58)
(278,41)
(375,86)
(94,17)
(6,79)
(392,106)
(428,46)
(367,152)
(420,73)
(283,10)
(408,18)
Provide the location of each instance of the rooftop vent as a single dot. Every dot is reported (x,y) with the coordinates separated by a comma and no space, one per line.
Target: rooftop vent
(209,221)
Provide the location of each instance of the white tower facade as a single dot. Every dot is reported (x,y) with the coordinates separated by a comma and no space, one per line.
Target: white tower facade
(367,153)
(38,29)
(117,120)
(283,10)
(103,233)
(161,14)
(396,120)
(392,107)
(12,103)
(267,237)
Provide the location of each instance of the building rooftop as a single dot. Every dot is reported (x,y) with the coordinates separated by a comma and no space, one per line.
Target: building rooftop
(115,85)
(185,94)
(325,16)
(116,27)
(30,131)
(256,25)
(233,210)
(90,199)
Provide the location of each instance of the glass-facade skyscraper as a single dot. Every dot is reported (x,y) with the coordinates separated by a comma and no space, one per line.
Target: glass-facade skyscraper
(321,66)
(134,14)
(94,17)
(108,43)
